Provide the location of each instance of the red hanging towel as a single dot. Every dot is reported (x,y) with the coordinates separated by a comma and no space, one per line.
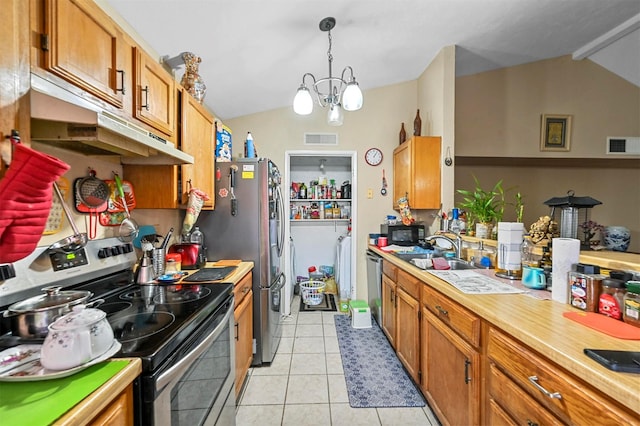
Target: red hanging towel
(25,201)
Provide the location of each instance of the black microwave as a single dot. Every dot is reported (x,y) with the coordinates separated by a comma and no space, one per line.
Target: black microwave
(403,235)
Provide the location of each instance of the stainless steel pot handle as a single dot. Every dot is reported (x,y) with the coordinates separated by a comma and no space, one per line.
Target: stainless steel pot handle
(178,369)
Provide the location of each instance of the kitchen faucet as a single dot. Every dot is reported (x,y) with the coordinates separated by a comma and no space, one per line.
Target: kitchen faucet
(457,244)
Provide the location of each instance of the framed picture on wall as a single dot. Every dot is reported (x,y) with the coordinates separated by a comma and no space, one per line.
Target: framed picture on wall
(555,132)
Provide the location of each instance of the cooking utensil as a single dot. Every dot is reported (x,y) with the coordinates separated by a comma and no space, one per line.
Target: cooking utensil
(31,318)
(73,242)
(93,193)
(128,228)
(383,191)
(54,221)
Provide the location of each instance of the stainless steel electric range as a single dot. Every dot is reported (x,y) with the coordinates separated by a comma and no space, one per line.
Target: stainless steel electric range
(182,333)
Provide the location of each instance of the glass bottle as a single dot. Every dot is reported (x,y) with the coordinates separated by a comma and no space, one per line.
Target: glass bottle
(417,125)
(303,191)
(403,134)
(197,236)
(455,223)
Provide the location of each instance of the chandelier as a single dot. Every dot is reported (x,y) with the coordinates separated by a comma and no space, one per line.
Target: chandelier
(340,92)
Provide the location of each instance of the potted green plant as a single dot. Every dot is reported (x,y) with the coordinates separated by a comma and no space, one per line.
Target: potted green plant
(483,207)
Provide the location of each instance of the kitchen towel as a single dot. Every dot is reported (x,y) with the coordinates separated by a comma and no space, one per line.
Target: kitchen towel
(509,242)
(565,253)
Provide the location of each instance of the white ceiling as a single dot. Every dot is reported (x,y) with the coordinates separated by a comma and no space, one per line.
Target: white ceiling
(254,52)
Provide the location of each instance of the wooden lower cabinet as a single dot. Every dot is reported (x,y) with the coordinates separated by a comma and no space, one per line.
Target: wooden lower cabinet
(243,315)
(408,332)
(389,309)
(533,390)
(450,373)
(119,412)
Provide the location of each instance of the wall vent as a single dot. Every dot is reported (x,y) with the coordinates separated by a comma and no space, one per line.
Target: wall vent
(623,145)
(321,139)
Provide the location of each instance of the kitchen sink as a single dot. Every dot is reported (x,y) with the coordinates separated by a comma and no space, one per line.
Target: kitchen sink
(454,263)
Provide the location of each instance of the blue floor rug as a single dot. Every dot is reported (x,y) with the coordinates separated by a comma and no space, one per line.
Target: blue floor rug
(374,375)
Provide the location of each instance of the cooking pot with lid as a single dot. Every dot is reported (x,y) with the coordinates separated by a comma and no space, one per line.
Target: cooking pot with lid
(30,318)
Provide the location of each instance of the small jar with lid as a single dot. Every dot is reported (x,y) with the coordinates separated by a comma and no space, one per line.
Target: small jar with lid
(632,303)
(612,298)
(173,263)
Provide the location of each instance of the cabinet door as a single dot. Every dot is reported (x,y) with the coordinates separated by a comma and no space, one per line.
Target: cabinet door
(119,411)
(402,173)
(408,335)
(14,71)
(243,315)
(416,172)
(154,100)
(197,139)
(156,187)
(450,373)
(389,309)
(84,46)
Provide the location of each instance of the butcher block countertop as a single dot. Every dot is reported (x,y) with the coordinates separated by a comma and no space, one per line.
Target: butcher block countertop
(540,325)
(242,269)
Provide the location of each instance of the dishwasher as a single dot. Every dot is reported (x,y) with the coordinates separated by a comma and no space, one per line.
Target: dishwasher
(374,285)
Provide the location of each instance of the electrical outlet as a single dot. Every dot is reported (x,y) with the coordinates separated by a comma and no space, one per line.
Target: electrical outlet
(369,193)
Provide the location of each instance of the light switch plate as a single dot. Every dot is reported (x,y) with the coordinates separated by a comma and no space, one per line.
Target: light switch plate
(369,193)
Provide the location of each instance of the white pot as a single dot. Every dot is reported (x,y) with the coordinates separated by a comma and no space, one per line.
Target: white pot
(76,338)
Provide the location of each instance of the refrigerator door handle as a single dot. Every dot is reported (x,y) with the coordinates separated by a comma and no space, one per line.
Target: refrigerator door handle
(280,219)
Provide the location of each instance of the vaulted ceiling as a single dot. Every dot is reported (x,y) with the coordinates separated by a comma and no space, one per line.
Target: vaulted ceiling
(254,52)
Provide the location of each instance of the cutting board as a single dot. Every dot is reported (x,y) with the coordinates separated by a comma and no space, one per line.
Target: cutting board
(42,402)
(604,324)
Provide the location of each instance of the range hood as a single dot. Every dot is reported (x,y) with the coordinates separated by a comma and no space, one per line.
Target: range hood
(63,119)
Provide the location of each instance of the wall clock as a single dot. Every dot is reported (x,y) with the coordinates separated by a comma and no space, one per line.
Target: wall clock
(373,156)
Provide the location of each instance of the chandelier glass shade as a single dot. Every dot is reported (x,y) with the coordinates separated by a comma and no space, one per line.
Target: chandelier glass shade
(334,93)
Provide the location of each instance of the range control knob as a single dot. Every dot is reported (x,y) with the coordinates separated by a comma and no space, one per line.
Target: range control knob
(104,253)
(128,248)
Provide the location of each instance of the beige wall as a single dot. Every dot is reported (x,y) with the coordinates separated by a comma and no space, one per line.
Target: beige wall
(377,124)
(498,114)
(436,100)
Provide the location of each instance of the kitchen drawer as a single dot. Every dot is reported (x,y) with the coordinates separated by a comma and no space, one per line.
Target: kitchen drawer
(567,397)
(496,416)
(242,288)
(409,283)
(390,270)
(519,405)
(462,321)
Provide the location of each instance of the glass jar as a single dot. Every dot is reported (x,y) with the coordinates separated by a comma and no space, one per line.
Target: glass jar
(173,263)
(612,298)
(632,303)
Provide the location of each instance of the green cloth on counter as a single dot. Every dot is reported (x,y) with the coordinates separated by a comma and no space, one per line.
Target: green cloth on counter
(42,402)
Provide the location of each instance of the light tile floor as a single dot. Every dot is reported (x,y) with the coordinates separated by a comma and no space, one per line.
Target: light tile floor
(305,385)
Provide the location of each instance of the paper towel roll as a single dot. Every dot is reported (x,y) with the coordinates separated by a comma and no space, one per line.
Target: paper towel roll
(565,254)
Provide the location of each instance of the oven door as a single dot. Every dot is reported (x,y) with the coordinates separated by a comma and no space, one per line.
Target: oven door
(196,384)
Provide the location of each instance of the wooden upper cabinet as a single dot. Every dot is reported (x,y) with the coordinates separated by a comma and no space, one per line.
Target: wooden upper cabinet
(416,172)
(197,133)
(84,46)
(154,97)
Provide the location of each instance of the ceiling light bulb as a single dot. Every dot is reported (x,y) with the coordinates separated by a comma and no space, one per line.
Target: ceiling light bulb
(352,97)
(303,103)
(335,115)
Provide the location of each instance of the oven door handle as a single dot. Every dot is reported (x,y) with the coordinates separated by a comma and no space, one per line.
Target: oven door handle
(178,369)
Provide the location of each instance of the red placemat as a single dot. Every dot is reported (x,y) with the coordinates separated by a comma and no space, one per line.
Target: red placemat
(605,324)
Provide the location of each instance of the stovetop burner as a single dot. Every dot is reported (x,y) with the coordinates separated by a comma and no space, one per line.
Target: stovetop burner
(167,294)
(138,326)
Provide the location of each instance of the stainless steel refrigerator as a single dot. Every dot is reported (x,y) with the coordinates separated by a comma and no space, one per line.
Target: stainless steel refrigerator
(248,224)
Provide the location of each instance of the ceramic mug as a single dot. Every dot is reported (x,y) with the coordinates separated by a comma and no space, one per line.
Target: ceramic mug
(533,277)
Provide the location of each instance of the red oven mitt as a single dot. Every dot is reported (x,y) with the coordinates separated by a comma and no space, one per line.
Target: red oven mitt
(25,201)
